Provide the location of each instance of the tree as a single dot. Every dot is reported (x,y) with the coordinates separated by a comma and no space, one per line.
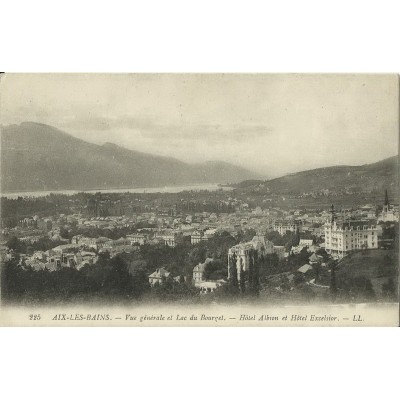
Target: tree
(389,290)
(233,275)
(251,267)
(44,244)
(323,254)
(333,284)
(317,269)
(175,291)
(12,281)
(118,282)
(140,283)
(198,254)
(388,268)
(255,278)
(276,238)
(17,245)
(215,270)
(245,236)
(243,277)
(297,260)
(64,233)
(226,293)
(268,265)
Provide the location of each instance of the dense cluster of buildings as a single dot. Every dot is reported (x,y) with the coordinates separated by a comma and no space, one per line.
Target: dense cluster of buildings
(337,231)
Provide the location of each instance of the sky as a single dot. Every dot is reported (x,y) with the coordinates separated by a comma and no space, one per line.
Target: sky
(272,124)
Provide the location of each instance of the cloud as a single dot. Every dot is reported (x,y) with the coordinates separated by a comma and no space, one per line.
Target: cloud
(162,132)
(276,122)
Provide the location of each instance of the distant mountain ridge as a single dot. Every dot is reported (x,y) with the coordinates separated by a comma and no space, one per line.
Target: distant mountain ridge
(367,178)
(40,157)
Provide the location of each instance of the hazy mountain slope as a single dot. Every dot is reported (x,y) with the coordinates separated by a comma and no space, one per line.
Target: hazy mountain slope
(364,178)
(40,157)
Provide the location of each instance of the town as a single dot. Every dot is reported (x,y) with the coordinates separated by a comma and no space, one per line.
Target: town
(196,246)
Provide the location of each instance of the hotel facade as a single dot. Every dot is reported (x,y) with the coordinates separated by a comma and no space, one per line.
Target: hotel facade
(344,237)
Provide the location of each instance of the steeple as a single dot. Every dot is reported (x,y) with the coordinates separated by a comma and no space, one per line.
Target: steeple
(386,205)
(386,199)
(332,214)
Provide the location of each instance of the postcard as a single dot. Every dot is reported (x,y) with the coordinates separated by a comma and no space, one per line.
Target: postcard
(199,200)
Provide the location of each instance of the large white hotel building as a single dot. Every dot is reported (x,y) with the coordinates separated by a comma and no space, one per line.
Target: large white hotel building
(343,237)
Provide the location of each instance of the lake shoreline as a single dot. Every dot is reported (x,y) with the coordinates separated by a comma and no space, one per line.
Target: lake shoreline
(160,189)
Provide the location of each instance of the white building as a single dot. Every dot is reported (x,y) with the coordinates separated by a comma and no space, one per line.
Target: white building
(138,238)
(306,242)
(169,238)
(343,237)
(94,243)
(158,275)
(208,286)
(283,226)
(199,270)
(197,236)
(242,252)
(200,235)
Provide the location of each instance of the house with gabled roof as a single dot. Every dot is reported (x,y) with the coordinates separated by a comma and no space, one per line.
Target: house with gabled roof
(305,268)
(158,275)
(314,259)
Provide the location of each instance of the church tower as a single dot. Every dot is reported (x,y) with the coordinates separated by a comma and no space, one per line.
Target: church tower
(386,205)
(332,214)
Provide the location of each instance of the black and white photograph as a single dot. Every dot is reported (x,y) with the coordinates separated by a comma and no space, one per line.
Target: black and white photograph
(199,199)
(196,199)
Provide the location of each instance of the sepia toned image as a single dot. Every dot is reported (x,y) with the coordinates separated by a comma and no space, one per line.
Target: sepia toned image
(199,200)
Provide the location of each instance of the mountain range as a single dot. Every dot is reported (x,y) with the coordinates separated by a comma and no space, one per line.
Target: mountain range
(40,157)
(367,178)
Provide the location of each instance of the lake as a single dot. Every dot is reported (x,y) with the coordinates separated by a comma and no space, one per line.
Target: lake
(164,189)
